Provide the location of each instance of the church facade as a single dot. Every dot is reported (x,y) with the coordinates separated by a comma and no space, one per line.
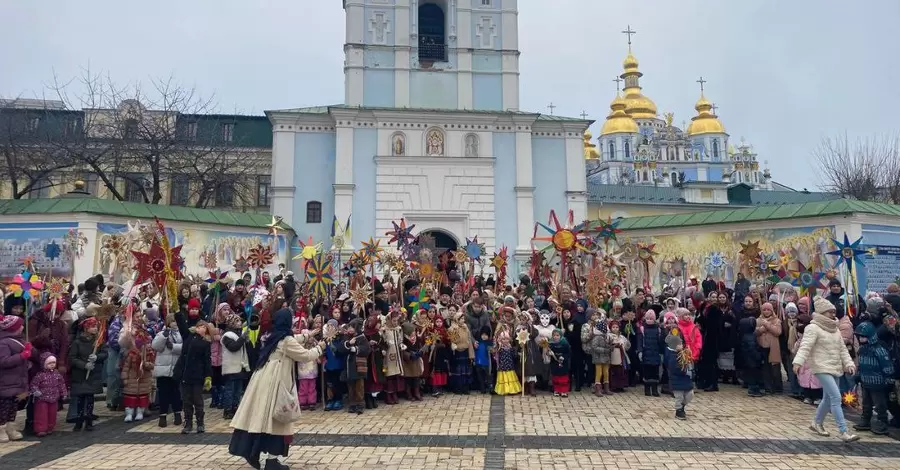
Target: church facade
(430,131)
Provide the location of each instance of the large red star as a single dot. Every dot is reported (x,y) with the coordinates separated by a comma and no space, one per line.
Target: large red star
(152,265)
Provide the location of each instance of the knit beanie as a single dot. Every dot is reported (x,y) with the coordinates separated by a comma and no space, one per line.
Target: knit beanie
(821,305)
(874,305)
(650,316)
(194,303)
(791,308)
(11,323)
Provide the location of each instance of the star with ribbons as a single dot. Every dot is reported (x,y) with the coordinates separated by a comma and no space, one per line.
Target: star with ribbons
(849,253)
(260,256)
(401,234)
(750,251)
(608,229)
(372,249)
(241,265)
(361,295)
(646,252)
(57,288)
(349,269)
(319,273)
(26,285)
(562,238)
(500,260)
(153,265)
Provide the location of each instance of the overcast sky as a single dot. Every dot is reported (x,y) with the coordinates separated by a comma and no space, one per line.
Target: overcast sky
(783,73)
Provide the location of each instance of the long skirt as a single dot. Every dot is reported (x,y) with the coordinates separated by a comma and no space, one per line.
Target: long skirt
(618,379)
(460,369)
(256,447)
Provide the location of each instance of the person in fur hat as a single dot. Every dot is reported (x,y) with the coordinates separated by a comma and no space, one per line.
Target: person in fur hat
(391,339)
(354,349)
(411,355)
(463,355)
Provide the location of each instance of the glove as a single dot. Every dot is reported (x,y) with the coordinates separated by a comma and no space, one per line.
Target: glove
(352,348)
(403,347)
(453,346)
(165,333)
(37,393)
(89,366)
(92,358)
(26,353)
(169,344)
(207,384)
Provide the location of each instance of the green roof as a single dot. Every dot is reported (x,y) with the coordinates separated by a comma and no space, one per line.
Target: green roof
(667,195)
(134,210)
(326,109)
(760,214)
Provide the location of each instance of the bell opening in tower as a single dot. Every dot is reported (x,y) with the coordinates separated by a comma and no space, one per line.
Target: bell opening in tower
(432,33)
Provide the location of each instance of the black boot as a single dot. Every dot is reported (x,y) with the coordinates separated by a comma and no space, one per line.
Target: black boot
(89,425)
(646,390)
(188,424)
(274,464)
(368,398)
(374,401)
(177,420)
(78,425)
(162,421)
(200,427)
(654,390)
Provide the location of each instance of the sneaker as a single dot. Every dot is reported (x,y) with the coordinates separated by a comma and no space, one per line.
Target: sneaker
(816,403)
(754,394)
(807,401)
(848,437)
(555,394)
(680,414)
(818,429)
(564,395)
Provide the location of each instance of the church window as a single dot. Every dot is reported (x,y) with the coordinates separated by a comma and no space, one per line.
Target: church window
(674,177)
(434,143)
(314,212)
(485,3)
(627,149)
(432,38)
(715,149)
(645,175)
(671,153)
(612,150)
(471,145)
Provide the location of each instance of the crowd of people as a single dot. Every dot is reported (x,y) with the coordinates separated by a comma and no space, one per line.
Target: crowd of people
(241,340)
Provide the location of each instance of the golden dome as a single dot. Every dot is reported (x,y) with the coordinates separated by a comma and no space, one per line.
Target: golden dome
(705,122)
(590,149)
(618,120)
(637,105)
(630,63)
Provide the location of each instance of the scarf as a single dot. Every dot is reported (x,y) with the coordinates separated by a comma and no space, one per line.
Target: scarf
(281,329)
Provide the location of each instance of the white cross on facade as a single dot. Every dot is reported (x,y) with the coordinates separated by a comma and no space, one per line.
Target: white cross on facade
(379,27)
(487,31)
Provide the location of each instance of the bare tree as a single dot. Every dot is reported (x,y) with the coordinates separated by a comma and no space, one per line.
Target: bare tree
(28,159)
(866,169)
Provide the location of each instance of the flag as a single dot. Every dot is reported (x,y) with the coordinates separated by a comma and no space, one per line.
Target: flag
(347,227)
(335,227)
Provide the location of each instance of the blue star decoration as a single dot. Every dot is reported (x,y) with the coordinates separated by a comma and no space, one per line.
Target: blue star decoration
(849,253)
(474,249)
(52,250)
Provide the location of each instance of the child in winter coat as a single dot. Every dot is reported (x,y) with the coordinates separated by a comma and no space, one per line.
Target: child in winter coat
(354,350)
(751,356)
(193,370)
(560,363)
(48,387)
(618,357)
(812,389)
(483,360)
(651,350)
(235,365)
(86,359)
(413,366)
(14,356)
(223,310)
(167,344)
(669,321)
(334,367)
(595,343)
(138,359)
(307,373)
(876,375)
(681,373)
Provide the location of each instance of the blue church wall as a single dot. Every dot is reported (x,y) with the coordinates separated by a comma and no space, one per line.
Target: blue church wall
(487,91)
(505,217)
(714,174)
(498,30)
(314,155)
(365,145)
(690,174)
(548,158)
(433,89)
(378,88)
(378,58)
(486,62)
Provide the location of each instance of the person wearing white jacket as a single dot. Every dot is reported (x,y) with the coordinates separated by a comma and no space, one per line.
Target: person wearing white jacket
(167,344)
(823,348)
(235,365)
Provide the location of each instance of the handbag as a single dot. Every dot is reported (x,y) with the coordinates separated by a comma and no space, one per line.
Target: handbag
(287,404)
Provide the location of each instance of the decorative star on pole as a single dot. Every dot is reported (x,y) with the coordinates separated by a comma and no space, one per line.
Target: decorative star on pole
(309,249)
(474,250)
(319,272)
(849,253)
(750,251)
(401,234)
(26,285)
(275,225)
(372,249)
(608,230)
(52,250)
(805,278)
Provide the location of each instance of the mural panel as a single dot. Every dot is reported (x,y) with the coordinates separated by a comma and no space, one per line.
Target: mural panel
(20,240)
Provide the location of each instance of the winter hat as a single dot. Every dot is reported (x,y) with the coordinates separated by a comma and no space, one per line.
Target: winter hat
(46,357)
(233,322)
(486,330)
(613,323)
(194,303)
(239,282)
(874,305)
(822,305)
(90,285)
(408,328)
(11,323)
(152,314)
(669,316)
(650,315)
(791,308)
(89,322)
(834,282)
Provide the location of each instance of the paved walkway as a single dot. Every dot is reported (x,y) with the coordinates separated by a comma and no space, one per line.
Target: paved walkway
(725,430)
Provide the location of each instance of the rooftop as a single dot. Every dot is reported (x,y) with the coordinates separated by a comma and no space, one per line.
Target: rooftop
(663,195)
(133,210)
(326,109)
(760,214)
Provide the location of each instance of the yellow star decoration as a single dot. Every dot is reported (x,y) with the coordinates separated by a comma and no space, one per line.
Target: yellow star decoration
(750,251)
(372,249)
(461,255)
(361,295)
(275,225)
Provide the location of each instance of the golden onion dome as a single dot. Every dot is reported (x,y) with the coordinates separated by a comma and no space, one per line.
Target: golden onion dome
(637,105)
(705,122)
(630,63)
(618,120)
(590,149)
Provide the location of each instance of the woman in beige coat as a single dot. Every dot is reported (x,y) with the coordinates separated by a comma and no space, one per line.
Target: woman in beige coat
(257,436)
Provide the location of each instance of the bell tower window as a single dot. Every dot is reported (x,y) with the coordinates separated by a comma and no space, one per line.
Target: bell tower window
(432,33)
(715,149)
(612,150)
(627,150)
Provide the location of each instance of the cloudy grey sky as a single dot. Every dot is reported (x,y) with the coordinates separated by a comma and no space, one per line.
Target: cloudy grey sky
(783,73)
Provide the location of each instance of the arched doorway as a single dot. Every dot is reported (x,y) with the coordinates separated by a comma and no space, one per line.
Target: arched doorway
(443,241)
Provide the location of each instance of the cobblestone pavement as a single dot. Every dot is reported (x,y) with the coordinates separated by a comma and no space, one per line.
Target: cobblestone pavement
(725,430)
